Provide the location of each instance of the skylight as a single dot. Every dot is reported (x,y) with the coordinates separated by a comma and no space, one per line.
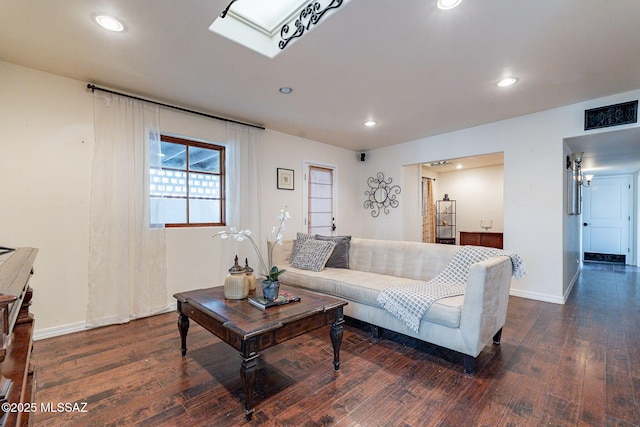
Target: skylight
(267,15)
(268,27)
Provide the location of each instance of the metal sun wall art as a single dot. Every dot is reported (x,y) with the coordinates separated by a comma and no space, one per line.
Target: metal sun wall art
(381,195)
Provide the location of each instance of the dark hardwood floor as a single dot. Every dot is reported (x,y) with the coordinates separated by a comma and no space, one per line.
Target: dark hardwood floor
(563,365)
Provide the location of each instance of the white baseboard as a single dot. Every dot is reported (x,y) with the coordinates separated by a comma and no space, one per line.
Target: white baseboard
(59,330)
(574,279)
(70,328)
(536,296)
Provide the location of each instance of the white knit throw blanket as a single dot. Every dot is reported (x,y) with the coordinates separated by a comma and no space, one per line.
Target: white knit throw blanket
(410,302)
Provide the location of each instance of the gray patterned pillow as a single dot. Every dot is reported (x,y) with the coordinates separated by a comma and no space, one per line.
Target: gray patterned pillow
(313,255)
(300,239)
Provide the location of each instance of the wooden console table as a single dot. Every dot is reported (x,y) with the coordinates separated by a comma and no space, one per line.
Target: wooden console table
(481,238)
(16,323)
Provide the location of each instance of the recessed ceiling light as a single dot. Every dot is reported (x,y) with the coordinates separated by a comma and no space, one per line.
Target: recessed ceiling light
(286,90)
(370,123)
(458,166)
(448,4)
(507,81)
(109,23)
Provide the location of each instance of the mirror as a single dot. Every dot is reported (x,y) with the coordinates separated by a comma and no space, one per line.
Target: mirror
(380,195)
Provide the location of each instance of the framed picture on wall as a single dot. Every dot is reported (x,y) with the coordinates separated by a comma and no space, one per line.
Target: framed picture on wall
(285,179)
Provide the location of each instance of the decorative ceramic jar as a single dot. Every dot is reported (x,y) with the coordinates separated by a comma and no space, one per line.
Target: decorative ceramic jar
(270,289)
(236,284)
(248,271)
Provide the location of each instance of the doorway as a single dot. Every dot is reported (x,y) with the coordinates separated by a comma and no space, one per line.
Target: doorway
(319,196)
(606,219)
(475,182)
(613,153)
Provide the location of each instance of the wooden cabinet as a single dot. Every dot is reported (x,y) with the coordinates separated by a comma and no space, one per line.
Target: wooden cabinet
(481,238)
(16,373)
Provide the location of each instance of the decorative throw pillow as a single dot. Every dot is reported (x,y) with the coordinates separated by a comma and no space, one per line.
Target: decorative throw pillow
(313,255)
(300,239)
(340,256)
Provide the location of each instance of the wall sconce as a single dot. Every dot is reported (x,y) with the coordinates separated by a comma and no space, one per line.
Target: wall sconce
(574,183)
(585,180)
(574,162)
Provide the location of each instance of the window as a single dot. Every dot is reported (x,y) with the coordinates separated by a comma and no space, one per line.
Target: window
(186,183)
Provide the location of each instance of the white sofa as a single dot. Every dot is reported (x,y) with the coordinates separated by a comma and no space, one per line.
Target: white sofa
(465,323)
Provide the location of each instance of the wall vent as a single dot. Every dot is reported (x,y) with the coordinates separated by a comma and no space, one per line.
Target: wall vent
(611,115)
(608,258)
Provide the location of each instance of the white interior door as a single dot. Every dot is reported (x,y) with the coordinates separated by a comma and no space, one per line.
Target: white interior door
(319,195)
(606,216)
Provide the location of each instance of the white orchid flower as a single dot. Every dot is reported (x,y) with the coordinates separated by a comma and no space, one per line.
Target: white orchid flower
(273,272)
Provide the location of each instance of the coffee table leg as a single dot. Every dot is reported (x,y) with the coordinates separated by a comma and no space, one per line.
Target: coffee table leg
(336,337)
(248,372)
(183,326)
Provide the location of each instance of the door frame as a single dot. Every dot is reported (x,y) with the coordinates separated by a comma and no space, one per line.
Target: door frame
(306,164)
(631,257)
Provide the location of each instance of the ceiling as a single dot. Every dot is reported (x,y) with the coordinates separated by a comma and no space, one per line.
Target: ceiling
(418,71)
(612,152)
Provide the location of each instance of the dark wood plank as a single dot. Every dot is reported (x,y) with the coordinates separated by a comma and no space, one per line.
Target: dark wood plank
(572,364)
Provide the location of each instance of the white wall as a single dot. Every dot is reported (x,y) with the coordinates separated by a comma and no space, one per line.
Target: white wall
(45,171)
(45,175)
(290,152)
(535,219)
(411,198)
(478,193)
(571,239)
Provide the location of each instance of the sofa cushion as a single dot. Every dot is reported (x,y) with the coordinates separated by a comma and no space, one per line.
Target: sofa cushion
(340,256)
(313,255)
(413,260)
(364,287)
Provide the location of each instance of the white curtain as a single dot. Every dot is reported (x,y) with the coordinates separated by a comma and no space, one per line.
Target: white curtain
(127,257)
(243,149)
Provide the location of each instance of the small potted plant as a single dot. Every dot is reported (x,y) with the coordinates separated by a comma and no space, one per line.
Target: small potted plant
(270,283)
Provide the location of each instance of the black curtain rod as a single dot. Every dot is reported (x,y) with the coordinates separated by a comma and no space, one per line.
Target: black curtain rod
(186,110)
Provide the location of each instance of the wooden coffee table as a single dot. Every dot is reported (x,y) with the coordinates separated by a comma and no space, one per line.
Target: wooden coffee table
(251,330)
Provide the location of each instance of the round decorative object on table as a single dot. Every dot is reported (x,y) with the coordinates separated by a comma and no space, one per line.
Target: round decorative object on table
(270,289)
(248,271)
(236,284)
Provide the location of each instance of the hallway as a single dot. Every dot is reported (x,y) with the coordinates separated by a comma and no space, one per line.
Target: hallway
(602,321)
